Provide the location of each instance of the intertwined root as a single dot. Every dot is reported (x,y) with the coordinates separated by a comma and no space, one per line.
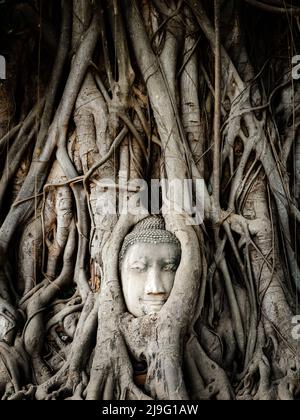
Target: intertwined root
(71,389)
(28,393)
(64,385)
(156,104)
(256,384)
(208,381)
(118,384)
(271,378)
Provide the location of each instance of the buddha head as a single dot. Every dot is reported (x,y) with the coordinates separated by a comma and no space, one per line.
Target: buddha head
(149,258)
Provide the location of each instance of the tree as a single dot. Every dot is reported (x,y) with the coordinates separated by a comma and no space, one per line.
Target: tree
(149,89)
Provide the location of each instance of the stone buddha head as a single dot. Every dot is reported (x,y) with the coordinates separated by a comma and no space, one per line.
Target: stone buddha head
(149,258)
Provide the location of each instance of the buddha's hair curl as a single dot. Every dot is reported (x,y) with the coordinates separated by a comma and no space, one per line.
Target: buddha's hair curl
(151,230)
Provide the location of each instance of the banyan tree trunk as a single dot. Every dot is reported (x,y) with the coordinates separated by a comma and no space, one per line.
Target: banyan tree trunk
(101,99)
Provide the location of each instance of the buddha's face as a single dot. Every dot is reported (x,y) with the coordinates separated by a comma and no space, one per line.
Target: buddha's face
(147,275)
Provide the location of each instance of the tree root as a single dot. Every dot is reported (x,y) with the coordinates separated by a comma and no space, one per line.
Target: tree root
(214,382)
(256,384)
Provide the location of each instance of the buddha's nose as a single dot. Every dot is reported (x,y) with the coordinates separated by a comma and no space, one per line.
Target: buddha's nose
(154,285)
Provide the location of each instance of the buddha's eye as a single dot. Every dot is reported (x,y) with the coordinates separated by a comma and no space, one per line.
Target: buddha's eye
(170,267)
(138,267)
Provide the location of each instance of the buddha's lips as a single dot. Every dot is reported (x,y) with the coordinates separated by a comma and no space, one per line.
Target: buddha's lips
(154,302)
